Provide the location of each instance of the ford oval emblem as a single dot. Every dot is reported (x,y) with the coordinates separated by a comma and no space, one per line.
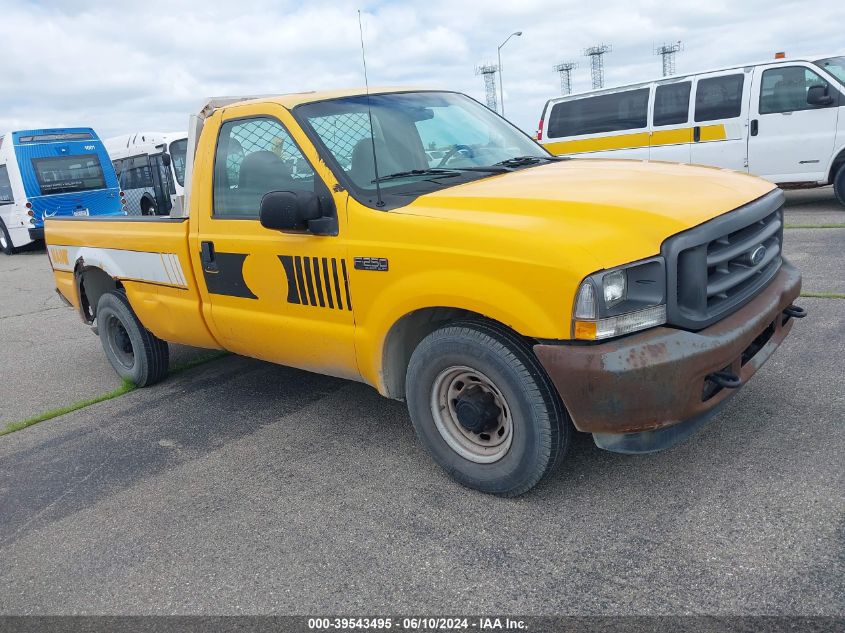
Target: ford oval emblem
(756,256)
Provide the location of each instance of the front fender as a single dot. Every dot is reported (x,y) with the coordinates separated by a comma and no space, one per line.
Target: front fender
(518,307)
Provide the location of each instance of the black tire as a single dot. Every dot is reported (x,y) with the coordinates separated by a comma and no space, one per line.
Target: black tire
(148,207)
(6,240)
(839,185)
(135,353)
(540,427)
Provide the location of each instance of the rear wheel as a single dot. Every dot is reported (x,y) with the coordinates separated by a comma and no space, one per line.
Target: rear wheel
(839,185)
(6,240)
(484,408)
(135,353)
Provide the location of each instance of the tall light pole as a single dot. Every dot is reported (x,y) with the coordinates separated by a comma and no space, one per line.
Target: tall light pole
(501,88)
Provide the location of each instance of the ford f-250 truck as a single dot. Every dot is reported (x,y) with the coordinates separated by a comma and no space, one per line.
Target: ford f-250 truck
(417,242)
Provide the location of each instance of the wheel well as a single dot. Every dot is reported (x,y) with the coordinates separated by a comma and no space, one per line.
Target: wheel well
(92,283)
(837,163)
(406,334)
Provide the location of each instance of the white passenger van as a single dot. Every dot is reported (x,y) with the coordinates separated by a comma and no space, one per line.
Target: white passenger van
(150,168)
(783,120)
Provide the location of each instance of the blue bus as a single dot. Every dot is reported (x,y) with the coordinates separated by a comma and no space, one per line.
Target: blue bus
(63,172)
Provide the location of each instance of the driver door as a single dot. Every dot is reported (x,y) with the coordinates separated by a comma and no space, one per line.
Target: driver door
(280,297)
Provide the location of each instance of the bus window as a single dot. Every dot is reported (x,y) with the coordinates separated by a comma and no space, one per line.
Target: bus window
(134,173)
(6,196)
(671,103)
(67,174)
(627,110)
(178,152)
(719,98)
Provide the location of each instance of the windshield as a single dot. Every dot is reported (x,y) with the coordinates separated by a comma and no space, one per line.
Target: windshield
(178,151)
(835,66)
(414,133)
(68,174)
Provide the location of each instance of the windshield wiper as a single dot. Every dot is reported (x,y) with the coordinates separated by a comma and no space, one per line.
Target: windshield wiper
(519,161)
(440,172)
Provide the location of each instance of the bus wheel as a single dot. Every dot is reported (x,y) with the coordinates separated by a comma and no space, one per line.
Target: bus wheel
(839,185)
(148,207)
(6,240)
(134,352)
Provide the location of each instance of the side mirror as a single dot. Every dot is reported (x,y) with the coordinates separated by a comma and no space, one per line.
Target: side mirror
(296,211)
(817,96)
(165,159)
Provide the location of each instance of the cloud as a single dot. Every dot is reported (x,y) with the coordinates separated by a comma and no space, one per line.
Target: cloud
(127,66)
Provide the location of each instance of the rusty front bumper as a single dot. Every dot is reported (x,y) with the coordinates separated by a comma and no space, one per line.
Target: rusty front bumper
(648,391)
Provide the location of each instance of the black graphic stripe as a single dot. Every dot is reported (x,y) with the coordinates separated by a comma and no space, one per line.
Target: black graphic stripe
(300,280)
(293,291)
(346,285)
(307,266)
(336,285)
(316,262)
(328,282)
(229,278)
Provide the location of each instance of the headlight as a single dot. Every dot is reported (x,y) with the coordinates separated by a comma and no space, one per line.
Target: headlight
(620,301)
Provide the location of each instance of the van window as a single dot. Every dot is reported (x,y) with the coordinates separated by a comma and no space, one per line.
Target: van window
(603,113)
(785,89)
(719,98)
(671,103)
(6,196)
(254,157)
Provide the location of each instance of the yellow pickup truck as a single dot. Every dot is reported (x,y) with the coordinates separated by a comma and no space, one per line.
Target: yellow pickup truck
(417,242)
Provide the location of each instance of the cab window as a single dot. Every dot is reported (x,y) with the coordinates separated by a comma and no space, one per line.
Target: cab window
(626,110)
(6,196)
(254,157)
(719,98)
(671,103)
(785,89)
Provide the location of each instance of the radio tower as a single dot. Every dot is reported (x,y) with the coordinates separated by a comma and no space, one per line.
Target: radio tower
(565,69)
(488,71)
(596,55)
(668,51)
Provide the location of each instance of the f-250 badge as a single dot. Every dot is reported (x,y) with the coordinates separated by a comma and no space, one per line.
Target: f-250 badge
(371,263)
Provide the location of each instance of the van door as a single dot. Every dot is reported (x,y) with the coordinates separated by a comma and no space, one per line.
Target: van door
(280,297)
(671,133)
(791,140)
(720,119)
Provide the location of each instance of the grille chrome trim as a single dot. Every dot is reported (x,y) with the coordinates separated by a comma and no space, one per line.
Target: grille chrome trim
(709,272)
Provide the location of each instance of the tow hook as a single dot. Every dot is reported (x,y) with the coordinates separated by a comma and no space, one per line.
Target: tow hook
(796,312)
(725,379)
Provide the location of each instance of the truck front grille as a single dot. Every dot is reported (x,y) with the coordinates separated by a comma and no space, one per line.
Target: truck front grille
(717,267)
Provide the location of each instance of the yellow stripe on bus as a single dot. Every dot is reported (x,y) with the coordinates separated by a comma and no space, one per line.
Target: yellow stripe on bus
(637,140)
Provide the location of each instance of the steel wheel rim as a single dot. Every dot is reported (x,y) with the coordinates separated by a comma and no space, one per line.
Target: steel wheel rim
(119,342)
(485,447)
(3,243)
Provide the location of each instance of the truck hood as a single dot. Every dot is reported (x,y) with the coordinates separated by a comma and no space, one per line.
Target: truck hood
(617,210)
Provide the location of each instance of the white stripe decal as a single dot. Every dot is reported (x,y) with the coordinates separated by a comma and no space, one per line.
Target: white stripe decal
(159,268)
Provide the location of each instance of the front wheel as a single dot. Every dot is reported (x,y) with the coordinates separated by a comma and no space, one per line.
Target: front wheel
(136,354)
(6,240)
(484,408)
(839,185)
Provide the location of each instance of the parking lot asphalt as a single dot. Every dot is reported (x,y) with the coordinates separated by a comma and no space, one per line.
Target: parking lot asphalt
(244,487)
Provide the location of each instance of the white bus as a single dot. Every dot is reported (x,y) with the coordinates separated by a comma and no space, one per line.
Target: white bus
(150,168)
(783,120)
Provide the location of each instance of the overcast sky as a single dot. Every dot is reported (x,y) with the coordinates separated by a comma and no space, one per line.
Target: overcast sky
(146,64)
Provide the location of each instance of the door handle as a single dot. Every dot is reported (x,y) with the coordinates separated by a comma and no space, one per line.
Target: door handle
(209,265)
(755,127)
(696,134)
